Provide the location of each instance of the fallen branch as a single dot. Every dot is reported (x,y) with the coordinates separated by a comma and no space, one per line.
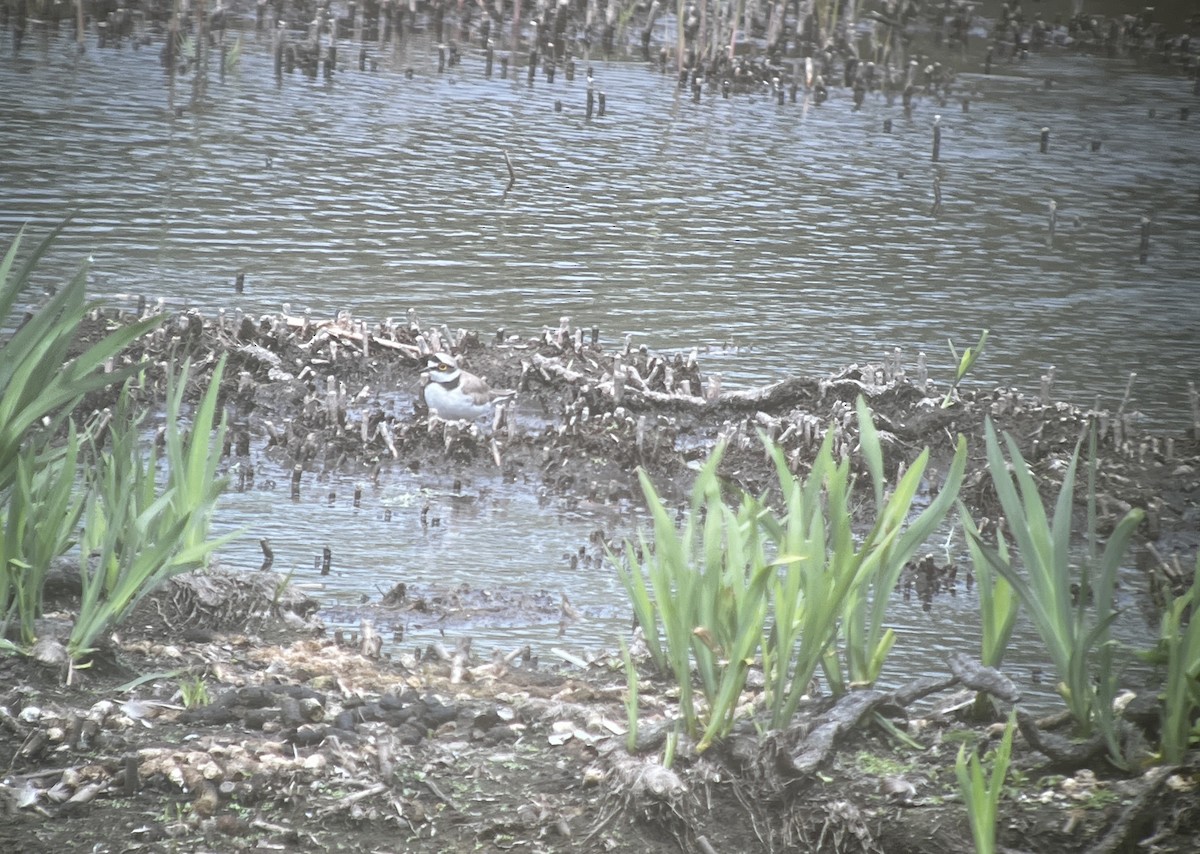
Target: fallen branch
(1137,818)
(347,800)
(977,677)
(816,746)
(1063,752)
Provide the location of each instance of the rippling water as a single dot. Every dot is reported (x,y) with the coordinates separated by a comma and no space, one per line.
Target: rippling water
(802,235)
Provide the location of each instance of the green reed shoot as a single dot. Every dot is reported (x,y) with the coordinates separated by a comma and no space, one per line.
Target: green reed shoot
(193,456)
(732,617)
(1077,640)
(1103,672)
(138,533)
(631,697)
(998,604)
(736,584)
(233,56)
(670,746)
(38,377)
(808,591)
(982,795)
(281,587)
(829,583)
(997,599)
(965,363)
(708,605)
(895,539)
(194,692)
(40,385)
(1179,647)
(44,506)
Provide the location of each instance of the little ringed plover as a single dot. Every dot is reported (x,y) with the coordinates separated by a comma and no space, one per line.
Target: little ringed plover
(455,394)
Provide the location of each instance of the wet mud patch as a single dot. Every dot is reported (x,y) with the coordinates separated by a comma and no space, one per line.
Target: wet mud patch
(308,397)
(458,609)
(313,742)
(343,394)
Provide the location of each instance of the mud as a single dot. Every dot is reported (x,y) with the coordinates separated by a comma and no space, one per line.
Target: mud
(309,742)
(344,394)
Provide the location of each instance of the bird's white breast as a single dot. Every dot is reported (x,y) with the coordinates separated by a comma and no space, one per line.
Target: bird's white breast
(453,403)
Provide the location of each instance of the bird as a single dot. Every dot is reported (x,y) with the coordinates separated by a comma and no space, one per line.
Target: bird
(455,394)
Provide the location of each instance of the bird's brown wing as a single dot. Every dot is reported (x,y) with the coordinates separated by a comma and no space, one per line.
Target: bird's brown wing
(479,391)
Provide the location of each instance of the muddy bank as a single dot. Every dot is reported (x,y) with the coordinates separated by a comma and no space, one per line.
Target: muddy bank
(313,395)
(304,743)
(300,741)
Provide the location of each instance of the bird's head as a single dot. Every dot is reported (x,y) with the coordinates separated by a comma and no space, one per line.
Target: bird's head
(441,367)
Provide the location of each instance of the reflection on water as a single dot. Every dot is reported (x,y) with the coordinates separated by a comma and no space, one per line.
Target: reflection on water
(803,236)
(434,536)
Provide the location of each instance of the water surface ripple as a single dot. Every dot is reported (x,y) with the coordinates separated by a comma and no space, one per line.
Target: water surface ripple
(802,235)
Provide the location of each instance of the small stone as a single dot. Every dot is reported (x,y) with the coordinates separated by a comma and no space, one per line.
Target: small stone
(49,652)
(1180,783)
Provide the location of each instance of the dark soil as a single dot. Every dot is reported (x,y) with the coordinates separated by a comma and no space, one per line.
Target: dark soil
(317,743)
(310,745)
